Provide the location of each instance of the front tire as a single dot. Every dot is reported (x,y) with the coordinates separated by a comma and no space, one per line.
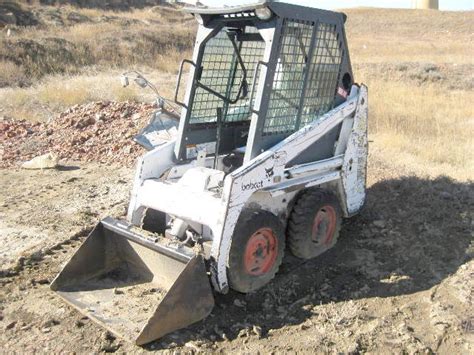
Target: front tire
(314,223)
(257,250)
(154,221)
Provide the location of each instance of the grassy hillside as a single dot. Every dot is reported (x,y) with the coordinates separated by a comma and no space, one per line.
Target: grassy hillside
(101,4)
(65,40)
(418,66)
(420,72)
(391,36)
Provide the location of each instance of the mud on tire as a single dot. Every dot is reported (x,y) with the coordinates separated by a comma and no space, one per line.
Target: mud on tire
(314,223)
(257,250)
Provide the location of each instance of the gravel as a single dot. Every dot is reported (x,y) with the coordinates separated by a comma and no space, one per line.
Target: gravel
(95,132)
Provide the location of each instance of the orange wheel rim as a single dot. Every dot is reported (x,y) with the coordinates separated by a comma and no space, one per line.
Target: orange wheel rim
(324,225)
(260,252)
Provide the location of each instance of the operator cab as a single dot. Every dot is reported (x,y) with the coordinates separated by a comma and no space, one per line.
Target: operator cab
(259,73)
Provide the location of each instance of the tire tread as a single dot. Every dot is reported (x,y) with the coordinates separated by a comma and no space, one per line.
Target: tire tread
(303,212)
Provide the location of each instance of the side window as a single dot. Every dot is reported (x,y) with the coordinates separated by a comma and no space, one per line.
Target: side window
(324,75)
(216,69)
(289,77)
(221,72)
(295,67)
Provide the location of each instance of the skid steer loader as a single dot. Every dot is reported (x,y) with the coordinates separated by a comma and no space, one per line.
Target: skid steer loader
(270,152)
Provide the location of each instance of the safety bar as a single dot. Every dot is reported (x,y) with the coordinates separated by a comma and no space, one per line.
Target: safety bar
(178,83)
(254,83)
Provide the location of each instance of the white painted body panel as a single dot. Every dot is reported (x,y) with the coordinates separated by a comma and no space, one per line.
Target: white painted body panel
(191,192)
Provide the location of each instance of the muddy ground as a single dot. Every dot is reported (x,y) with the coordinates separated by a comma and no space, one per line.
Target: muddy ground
(401,278)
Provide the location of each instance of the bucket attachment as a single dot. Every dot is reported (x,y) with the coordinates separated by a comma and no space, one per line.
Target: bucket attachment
(136,287)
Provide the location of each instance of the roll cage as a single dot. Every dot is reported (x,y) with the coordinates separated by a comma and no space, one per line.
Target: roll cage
(254,82)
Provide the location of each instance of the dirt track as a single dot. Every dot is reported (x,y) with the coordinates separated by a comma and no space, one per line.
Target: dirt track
(400,278)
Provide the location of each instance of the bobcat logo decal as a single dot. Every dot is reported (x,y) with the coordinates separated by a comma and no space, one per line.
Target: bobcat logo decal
(269,172)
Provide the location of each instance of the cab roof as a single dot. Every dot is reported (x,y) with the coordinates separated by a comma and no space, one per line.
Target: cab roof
(226,9)
(274,5)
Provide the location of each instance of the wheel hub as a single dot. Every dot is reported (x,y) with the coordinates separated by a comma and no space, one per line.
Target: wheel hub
(260,252)
(324,225)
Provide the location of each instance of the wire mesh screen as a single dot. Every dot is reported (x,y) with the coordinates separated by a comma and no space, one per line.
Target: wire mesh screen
(289,76)
(324,75)
(293,63)
(222,72)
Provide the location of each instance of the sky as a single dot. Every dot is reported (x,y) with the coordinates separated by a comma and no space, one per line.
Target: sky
(337,4)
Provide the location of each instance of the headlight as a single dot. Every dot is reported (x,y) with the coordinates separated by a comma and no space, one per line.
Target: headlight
(264,13)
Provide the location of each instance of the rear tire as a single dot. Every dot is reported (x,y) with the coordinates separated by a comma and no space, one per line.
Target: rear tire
(314,223)
(257,250)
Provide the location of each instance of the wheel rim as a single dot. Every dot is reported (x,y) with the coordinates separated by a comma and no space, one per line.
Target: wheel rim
(324,225)
(260,252)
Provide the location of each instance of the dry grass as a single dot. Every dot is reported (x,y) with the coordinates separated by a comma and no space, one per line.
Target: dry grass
(427,123)
(380,36)
(381,50)
(419,69)
(108,39)
(57,93)
(418,66)
(11,72)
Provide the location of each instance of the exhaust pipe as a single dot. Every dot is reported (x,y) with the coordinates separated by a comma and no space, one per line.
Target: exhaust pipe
(138,288)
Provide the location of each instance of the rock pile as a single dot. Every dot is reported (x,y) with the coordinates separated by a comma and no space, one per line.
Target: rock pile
(98,131)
